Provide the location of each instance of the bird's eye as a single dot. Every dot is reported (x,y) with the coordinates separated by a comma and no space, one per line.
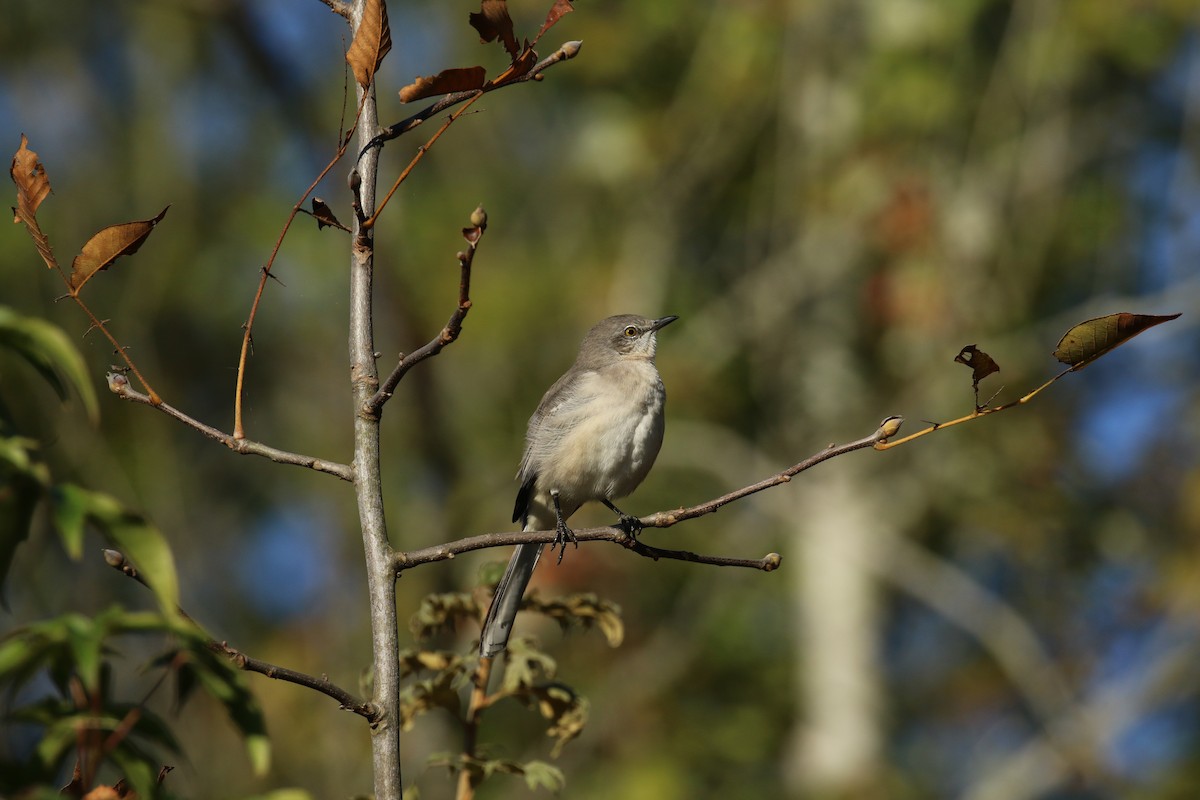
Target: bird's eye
(631,331)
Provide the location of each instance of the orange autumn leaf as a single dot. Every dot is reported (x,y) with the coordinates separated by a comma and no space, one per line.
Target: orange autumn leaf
(108,245)
(556,12)
(520,66)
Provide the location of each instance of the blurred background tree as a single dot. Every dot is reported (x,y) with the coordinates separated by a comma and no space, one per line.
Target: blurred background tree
(834,197)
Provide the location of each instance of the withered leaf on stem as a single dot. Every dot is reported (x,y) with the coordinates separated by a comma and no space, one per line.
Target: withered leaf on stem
(33,187)
(371,43)
(556,12)
(1089,340)
(108,245)
(492,22)
(459,79)
(520,65)
(981,363)
(323,214)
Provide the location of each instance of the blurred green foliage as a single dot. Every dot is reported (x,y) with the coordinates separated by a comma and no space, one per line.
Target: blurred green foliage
(835,198)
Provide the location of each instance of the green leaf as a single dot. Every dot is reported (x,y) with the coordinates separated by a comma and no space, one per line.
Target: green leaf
(22,483)
(128,532)
(539,773)
(139,769)
(219,678)
(283,794)
(69,506)
(86,642)
(525,665)
(50,351)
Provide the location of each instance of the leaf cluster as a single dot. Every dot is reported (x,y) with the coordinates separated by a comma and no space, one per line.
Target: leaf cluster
(84,717)
(528,676)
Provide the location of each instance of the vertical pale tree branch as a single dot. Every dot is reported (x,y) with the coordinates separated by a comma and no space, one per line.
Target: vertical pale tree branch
(364,379)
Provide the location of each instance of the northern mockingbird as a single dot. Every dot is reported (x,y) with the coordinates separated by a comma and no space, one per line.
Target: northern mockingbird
(594,436)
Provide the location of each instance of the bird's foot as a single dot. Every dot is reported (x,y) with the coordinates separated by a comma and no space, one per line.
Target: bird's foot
(630,524)
(562,535)
(626,522)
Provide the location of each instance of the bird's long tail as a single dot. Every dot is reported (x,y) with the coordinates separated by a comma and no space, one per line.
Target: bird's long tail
(497,625)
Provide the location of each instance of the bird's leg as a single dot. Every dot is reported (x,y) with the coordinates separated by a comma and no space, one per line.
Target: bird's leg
(631,525)
(562,534)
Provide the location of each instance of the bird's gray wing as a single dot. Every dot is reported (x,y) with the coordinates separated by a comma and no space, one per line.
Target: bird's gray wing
(552,419)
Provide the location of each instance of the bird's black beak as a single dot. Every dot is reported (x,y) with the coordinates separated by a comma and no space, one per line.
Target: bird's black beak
(662,322)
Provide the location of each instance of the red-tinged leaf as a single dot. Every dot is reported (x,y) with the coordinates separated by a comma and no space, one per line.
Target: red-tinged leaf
(981,363)
(323,214)
(108,245)
(520,66)
(459,79)
(1089,340)
(33,187)
(372,41)
(556,12)
(493,22)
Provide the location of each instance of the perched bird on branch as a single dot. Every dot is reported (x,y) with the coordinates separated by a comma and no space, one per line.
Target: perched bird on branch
(594,436)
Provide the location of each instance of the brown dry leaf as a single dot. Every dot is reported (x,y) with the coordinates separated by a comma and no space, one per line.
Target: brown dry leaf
(981,363)
(520,66)
(371,43)
(459,79)
(493,22)
(1089,340)
(33,187)
(323,214)
(556,12)
(108,245)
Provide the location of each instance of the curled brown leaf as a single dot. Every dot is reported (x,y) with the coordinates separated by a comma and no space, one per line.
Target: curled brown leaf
(492,22)
(981,363)
(459,79)
(33,187)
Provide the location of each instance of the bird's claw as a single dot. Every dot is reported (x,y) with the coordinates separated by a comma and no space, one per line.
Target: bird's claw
(562,535)
(630,524)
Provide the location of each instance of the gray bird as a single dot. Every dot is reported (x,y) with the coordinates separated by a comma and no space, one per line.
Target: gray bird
(594,436)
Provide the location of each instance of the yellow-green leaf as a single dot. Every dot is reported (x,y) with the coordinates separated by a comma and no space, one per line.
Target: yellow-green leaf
(1089,340)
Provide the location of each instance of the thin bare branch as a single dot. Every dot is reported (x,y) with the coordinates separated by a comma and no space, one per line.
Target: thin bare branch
(369,223)
(348,701)
(239,431)
(977,413)
(564,53)
(118,384)
(448,550)
(452,328)
(661,519)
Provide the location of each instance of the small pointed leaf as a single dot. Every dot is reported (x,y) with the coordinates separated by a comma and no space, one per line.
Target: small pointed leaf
(110,244)
(1089,340)
(556,12)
